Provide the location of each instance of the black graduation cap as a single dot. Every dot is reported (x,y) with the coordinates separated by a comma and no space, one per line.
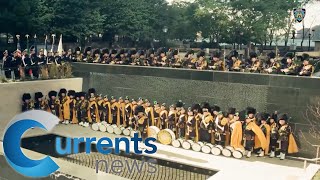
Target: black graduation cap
(26,96)
(52,93)
(71,93)
(38,95)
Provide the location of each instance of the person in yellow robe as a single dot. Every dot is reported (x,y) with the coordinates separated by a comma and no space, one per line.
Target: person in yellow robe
(149,110)
(287,141)
(72,107)
(266,131)
(251,132)
(274,127)
(64,106)
(115,111)
(93,112)
(236,131)
(163,115)
(192,131)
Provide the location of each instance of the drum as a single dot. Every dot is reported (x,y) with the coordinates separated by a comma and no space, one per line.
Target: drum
(207,148)
(126,131)
(95,126)
(110,129)
(227,151)
(133,132)
(187,144)
(177,143)
(166,136)
(216,150)
(118,130)
(197,146)
(153,131)
(103,127)
(238,153)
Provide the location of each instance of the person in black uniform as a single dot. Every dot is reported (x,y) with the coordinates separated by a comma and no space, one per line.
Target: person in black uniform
(16,63)
(7,64)
(274,127)
(54,103)
(27,104)
(26,64)
(289,68)
(34,62)
(40,103)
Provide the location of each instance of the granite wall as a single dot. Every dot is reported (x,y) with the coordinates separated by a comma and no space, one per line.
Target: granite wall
(227,89)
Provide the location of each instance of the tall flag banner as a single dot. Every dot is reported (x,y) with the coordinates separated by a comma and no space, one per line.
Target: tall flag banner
(35,44)
(18,42)
(45,46)
(28,50)
(53,38)
(60,48)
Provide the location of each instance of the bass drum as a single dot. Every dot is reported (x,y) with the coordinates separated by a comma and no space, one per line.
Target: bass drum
(207,148)
(216,150)
(103,127)
(126,131)
(95,126)
(118,130)
(153,131)
(238,153)
(110,129)
(227,151)
(177,143)
(197,146)
(166,136)
(187,144)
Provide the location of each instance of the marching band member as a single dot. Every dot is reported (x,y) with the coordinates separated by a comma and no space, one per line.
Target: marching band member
(287,141)
(234,63)
(54,103)
(78,55)
(149,113)
(122,109)
(236,131)
(157,111)
(306,69)
(96,58)
(163,117)
(6,59)
(27,103)
(181,124)
(206,133)
(272,66)
(201,63)
(128,110)
(105,56)
(16,64)
(266,132)
(290,67)
(172,119)
(83,110)
(141,121)
(100,107)
(77,108)
(254,65)
(216,63)
(106,110)
(192,127)
(93,110)
(72,107)
(87,55)
(273,134)
(189,61)
(115,111)
(252,131)
(64,106)
(39,102)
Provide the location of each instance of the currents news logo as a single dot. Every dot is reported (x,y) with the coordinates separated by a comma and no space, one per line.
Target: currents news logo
(44,167)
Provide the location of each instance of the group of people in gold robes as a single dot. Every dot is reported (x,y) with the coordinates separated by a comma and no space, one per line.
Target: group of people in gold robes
(248,130)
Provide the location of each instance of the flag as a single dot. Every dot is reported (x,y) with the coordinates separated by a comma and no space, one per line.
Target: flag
(45,46)
(60,48)
(35,44)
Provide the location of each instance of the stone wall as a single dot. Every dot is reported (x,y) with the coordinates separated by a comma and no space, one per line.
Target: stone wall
(268,93)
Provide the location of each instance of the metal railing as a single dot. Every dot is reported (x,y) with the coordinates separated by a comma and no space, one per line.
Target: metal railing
(315,160)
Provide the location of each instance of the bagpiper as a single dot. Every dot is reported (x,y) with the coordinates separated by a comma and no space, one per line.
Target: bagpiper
(64,105)
(181,124)
(163,117)
(274,127)
(286,138)
(27,103)
(192,126)
(206,133)
(141,121)
(54,103)
(266,132)
(39,102)
(307,68)
(93,112)
(128,110)
(115,111)
(72,107)
(83,110)
(106,110)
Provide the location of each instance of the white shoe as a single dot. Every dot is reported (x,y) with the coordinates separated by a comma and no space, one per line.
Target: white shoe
(67,122)
(282,156)
(249,154)
(272,154)
(81,123)
(86,124)
(63,122)
(261,154)
(279,155)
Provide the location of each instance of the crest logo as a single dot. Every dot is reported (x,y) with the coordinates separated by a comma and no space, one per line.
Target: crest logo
(299,14)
